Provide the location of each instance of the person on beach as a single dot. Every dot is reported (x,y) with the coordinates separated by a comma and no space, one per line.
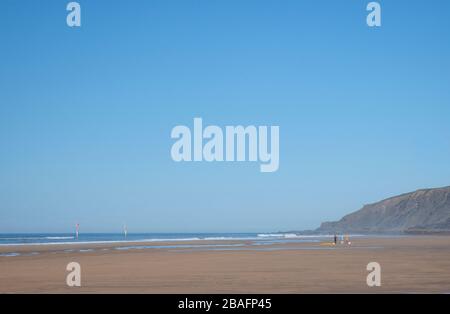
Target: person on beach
(347,240)
(335,239)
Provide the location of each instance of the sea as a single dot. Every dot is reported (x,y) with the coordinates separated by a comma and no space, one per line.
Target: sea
(94,238)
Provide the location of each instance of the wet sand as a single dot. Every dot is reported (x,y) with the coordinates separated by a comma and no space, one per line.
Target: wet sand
(418,264)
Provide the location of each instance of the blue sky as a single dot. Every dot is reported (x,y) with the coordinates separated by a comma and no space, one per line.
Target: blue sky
(86,114)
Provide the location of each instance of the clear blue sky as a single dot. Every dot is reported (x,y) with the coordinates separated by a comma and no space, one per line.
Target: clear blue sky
(86,114)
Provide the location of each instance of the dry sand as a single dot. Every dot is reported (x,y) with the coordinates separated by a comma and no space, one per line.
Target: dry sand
(409,264)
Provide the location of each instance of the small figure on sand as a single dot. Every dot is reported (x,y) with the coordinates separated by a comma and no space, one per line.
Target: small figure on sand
(347,240)
(335,239)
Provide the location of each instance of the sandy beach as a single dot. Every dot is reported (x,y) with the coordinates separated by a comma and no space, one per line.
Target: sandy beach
(409,265)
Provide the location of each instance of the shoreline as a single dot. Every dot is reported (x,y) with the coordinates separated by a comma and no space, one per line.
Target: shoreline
(180,243)
(52,246)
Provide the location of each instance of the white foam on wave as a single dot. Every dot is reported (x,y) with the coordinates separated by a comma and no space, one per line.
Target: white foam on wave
(230,238)
(100,242)
(279,235)
(268,235)
(36,238)
(24,238)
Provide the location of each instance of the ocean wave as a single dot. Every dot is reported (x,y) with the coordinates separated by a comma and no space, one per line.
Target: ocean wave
(279,235)
(35,238)
(100,242)
(23,238)
(229,238)
(269,235)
